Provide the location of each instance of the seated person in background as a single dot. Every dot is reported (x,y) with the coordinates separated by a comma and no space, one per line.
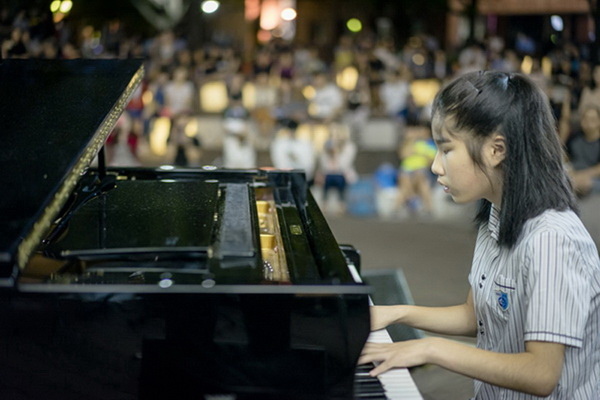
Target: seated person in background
(336,167)
(327,104)
(395,94)
(179,95)
(417,152)
(289,151)
(583,148)
(238,143)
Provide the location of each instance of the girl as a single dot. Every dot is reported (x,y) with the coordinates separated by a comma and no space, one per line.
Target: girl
(534,302)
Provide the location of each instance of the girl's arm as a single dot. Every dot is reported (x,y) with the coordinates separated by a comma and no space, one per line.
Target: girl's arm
(535,371)
(454,320)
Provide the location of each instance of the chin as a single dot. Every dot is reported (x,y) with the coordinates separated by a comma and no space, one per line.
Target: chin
(461,200)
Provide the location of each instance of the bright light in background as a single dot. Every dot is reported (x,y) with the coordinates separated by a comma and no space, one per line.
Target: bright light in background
(269,16)
(263,36)
(55,6)
(424,90)
(191,128)
(288,14)
(347,78)
(277,19)
(418,59)
(354,25)
(316,133)
(547,66)
(66,6)
(147,97)
(308,92)
(557,23)
(60,9)
(527,65)
(209,6)
(251,9)
(213,97)
(159,135)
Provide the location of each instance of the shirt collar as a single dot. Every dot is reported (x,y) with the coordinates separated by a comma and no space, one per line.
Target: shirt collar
(494,222)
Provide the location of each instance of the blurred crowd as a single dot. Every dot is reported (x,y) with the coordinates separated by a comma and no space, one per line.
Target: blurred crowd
(310,110)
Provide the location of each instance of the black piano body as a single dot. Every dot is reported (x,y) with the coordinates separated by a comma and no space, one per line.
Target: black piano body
(164,282)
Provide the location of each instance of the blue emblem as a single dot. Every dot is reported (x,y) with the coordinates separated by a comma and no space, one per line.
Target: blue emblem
(502,300)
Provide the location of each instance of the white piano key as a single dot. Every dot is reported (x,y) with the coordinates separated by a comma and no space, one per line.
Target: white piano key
(397,382)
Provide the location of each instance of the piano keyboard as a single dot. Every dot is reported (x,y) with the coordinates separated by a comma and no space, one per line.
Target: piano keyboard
(397,383)
(366,386)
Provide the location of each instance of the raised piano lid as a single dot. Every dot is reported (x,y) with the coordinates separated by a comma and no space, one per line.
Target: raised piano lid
(54,117)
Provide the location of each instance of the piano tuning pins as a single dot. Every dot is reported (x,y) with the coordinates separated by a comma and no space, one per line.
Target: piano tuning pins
(265,218)
(268,270)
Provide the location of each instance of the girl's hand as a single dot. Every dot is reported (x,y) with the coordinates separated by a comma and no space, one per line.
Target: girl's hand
(404,354)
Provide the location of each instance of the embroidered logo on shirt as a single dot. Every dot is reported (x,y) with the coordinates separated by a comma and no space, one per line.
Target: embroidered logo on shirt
(502,299)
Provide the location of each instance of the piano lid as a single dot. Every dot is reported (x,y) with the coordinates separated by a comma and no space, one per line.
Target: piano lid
(55,115)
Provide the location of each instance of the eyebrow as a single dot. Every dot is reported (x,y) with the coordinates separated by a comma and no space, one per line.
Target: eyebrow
(441,141)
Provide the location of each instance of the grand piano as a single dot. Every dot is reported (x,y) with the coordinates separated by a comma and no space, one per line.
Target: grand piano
(156,283)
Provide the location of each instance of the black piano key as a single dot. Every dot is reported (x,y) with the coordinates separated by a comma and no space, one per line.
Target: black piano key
(367,386)
(370,387)
(365,367)
(366,379)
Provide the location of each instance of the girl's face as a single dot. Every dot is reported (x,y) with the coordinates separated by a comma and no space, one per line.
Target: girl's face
(464,180)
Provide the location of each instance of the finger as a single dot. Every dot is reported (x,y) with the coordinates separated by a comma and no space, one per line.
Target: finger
(375,353)
(369,346)
(362,360)
(367,358)
(374,356)
(381,368)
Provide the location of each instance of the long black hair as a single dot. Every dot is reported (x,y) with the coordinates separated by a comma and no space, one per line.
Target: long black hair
(535,180)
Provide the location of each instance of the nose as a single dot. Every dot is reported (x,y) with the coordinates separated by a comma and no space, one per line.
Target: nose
(436,166)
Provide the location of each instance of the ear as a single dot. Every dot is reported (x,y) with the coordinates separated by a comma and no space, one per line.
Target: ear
(496,149)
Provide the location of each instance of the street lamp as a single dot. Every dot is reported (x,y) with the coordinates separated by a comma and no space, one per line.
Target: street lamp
(209,6)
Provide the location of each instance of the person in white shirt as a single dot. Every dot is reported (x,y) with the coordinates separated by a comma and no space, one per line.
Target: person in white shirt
(289,151)
(179,105)
(238,143)
(534,303)
(395,94)
(327,104)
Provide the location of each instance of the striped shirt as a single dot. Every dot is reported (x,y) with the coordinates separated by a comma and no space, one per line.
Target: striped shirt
(546,288)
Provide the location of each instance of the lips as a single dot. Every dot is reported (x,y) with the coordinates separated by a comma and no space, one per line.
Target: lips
(446,188)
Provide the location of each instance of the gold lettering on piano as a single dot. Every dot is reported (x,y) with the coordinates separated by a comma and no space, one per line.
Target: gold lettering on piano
(296,230)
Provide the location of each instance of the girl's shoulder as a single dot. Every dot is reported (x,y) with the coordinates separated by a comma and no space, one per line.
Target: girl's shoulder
(562,226)
(560,235)
(554,220)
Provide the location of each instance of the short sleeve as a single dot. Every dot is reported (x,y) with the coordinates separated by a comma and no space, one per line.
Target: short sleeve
(558,291)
